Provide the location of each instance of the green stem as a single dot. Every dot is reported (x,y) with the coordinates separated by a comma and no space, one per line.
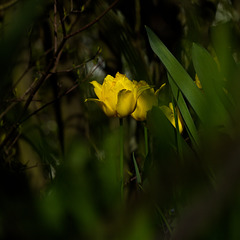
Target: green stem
(121,155)
(164,219)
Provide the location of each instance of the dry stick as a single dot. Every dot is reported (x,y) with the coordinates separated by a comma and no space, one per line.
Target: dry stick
(22,76)
(60,96)
(94,21)
(54,84)
(51,65)
(55,26)
(29,89)
(51,102)
(14,103)
(61,14)
(58,53)
(7,5)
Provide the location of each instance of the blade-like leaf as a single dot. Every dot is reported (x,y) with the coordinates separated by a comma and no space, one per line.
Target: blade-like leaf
(189,123)
(165,135)
(138,176)
(213,85)
(179,75)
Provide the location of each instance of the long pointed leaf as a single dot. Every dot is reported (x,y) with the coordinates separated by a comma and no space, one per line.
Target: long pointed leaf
(189,123)
(179,75)
(138,176)
(213,85)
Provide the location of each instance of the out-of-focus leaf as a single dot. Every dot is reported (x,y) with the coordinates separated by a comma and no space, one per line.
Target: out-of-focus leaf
(139,228)
(213,86)
(179,75)
(161,128)
(224,44)
(26,14)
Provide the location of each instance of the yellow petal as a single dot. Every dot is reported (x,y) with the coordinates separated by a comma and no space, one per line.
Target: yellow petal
(97,88)
(109,80)
(110,99)
(108,110)
(161,87)
(168,111)
(126,103)
(122,82)
(145,102)
(104,106)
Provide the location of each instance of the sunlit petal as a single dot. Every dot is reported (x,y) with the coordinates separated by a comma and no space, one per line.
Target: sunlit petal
(126,103)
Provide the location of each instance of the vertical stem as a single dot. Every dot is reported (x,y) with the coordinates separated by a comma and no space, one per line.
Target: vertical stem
(55,26)
(146,140)
(164,219)
(121,155)
(138,16)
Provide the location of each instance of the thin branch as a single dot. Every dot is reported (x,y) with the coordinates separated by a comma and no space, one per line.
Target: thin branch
(61,15)
(59,97)
(57,55)
(78,66)
(55,26)
(52,64)
(7,5)
(14,103)
(22,76)
(50,103)
(13,142)
(94,21)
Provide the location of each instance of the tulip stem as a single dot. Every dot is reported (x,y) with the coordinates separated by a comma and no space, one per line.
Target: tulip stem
(121,154)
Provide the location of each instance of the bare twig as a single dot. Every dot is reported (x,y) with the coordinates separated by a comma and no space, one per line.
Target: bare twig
(52,65)
(18,100)
(94,21)
(61,15)
(57,55)
(22,76)
(78,66)
(60,96)
(7,4)
(50,103)
(55,26)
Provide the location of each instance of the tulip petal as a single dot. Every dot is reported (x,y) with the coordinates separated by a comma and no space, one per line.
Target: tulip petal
(123,82)
(142,89)
(168,111)
(97,88)
(104,106)
(126,103)
(145,102)
(108,110)
(161,87)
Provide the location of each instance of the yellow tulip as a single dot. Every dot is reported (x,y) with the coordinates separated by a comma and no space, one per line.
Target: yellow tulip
(145,101)
(116,96)
(169,113)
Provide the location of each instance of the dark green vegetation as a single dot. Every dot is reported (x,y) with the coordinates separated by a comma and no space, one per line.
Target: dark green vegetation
(60,157)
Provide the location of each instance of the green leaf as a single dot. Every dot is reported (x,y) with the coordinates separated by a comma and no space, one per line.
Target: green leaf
(212,83)
(179,75)
(139,180)
(189,123)
(164,135)
(25,15)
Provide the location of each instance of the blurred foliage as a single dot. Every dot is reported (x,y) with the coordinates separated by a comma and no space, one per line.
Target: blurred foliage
(59,156)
